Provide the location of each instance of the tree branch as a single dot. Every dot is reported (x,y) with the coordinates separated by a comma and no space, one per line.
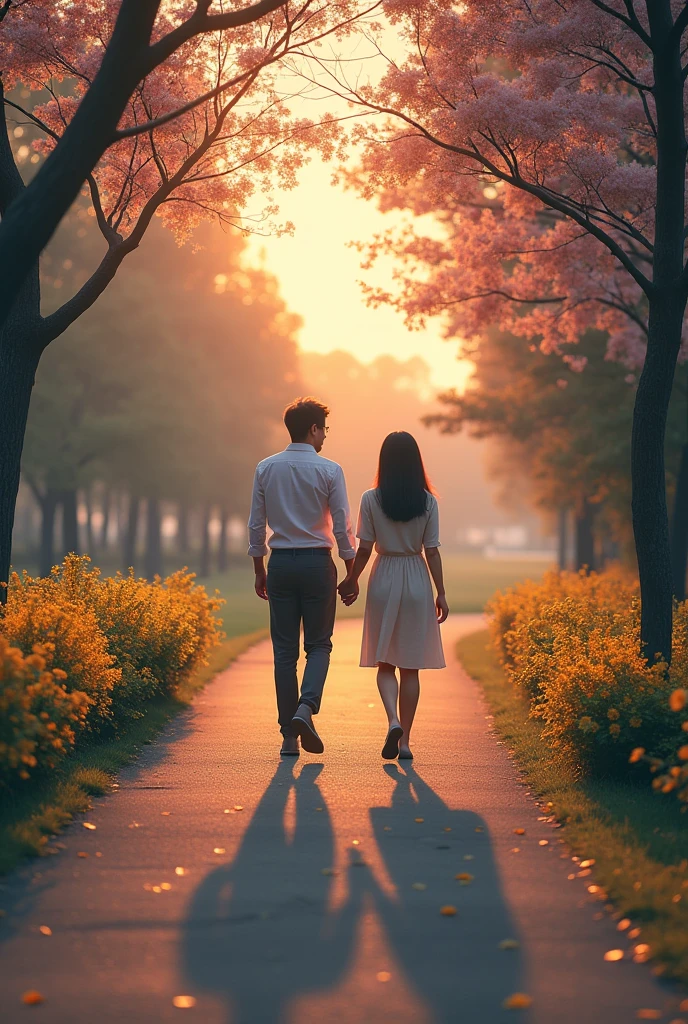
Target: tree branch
(201,22)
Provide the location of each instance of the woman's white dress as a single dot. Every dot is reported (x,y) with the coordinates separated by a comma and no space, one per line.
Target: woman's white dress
(400,625)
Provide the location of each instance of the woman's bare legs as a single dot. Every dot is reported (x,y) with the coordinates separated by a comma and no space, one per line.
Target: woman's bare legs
(409,692)
(389,691)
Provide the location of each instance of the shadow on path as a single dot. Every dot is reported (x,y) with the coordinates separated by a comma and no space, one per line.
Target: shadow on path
(260,932)
(454,963)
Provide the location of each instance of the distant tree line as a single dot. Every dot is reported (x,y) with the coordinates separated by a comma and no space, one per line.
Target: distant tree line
(157,403)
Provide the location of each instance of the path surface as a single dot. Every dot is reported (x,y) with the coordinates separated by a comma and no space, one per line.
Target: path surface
(318,896)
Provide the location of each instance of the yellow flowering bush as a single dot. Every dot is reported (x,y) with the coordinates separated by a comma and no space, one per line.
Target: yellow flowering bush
(38,716)
(111,645)
(40,611)
(671,774)
(571,643)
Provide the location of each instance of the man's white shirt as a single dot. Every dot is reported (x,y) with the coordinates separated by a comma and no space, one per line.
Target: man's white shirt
(302,497)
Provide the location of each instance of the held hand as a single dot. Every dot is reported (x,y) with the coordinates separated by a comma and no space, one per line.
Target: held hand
(261,585)
(348,590)
(442,608)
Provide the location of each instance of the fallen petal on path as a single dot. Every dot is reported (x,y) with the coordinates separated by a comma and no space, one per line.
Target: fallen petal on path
(184,1002)
(517,1001)
(448,911)
(614,954)
(32,998)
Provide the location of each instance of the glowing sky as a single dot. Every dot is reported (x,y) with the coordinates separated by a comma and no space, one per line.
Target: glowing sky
(318,277)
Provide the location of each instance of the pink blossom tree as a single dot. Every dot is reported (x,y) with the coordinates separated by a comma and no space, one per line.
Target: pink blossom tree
(573,112)
(159,109)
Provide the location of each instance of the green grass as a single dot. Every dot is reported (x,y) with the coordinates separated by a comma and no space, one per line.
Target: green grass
(638,840)
(470,581)
(39,809)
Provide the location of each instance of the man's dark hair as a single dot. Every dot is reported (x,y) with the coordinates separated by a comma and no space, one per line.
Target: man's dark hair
(301,414)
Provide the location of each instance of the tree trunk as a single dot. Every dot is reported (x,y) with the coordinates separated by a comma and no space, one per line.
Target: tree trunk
(18,364)
(650,520)
(666,302)
(205,541)
(585,537)
(105,526)
(153,557)
(563,538)
(183,528)
(46,554)
(222,554)
(88,502)
(131,532)
(679,528)
(70,524)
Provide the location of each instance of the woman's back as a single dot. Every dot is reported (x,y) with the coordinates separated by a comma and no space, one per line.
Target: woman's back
(394,538)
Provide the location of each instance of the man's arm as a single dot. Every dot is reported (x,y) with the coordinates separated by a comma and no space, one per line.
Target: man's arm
(257,530)
(341,519)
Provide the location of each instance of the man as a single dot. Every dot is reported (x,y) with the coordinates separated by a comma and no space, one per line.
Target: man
(302,497)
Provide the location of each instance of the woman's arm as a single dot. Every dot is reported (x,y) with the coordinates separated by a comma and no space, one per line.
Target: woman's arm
(348,588)
(435,566)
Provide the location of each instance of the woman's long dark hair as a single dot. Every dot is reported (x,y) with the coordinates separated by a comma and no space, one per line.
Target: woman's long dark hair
(401,482)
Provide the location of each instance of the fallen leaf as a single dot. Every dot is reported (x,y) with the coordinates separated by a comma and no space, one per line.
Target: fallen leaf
(623,924)
(587,863)
(89,825)
(479,829)
(165,814)
(180,871)
(614,954)
(355,842)
(387,828)
(517,1001)
(319,808)
(570,877)
(184,1002)
(648,1014)
(156,888)
(238,807)
(81,853)
(383,976)
(32,998)
(371,705)
(420,886)
(519,831)
(544,842)
(593,889)
(468,856)
(464,878)
(515,849)
(419,820)
(45,930)
(509,944)
(219,849)
(166,886)
(227,810)
(641,948)
(584,873)
(98,853)
(633,934)
(447,830)
(448,911)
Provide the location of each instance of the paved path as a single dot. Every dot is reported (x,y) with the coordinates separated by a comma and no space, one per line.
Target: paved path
(311,891)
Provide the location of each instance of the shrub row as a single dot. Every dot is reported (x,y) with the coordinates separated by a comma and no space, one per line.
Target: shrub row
(571,643)
(81,654)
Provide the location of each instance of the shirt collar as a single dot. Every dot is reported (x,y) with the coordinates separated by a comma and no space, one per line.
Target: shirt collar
(298,446)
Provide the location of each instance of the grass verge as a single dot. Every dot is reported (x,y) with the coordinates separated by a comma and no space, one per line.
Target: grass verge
(30,815)
(637,839)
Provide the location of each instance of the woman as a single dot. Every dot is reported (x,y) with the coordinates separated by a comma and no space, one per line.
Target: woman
(401,624)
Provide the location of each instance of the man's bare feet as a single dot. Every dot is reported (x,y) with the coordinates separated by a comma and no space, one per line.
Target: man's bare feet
(290,747)
(302,724)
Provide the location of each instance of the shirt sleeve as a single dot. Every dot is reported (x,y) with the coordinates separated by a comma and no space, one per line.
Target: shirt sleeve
(341,516)
(257,522)
(431,534)
(365,530)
